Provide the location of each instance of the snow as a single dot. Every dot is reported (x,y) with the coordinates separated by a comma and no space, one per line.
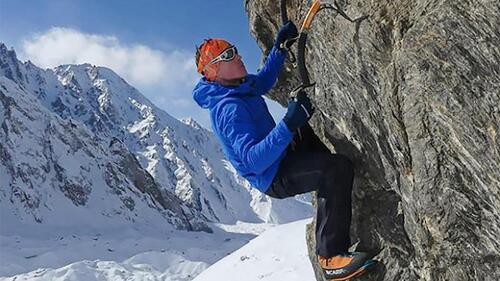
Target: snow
(160,249)
(69,206)
(277,253)
(71,124)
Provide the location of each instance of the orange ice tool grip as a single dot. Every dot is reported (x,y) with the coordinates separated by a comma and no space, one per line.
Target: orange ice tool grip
(310,14)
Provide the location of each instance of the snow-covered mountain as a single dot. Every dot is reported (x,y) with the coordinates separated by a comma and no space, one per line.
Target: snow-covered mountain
(77,139)
(55,173)
(279,253)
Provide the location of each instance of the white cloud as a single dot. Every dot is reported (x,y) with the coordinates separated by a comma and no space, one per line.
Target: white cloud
(138,64)
(167,78)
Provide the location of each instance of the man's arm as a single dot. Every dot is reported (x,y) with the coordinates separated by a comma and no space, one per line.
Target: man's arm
(256,154)
(268,74)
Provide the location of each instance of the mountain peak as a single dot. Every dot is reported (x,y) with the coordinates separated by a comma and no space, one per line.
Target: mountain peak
(4,49)
(191,122)
(9,65)
(181,158)
(6,54)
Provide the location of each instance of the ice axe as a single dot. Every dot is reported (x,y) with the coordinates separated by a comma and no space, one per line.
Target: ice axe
(314,8)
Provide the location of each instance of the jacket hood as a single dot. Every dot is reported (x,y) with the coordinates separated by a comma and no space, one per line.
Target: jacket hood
(207,94)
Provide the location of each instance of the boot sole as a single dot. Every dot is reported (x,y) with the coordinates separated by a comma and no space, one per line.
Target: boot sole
(356,273)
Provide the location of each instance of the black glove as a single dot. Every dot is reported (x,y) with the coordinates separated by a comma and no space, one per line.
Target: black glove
(299,111)
(286,32)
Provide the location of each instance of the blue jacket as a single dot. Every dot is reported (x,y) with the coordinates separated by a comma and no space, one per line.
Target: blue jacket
(251,140)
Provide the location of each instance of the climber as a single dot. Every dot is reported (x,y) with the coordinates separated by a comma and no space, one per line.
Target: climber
(268,155)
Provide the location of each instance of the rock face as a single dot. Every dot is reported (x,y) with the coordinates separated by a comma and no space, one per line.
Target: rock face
(412,96)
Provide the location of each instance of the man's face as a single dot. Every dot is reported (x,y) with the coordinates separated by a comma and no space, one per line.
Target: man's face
(232,70)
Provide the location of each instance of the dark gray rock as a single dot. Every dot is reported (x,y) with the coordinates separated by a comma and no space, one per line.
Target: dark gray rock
(412,96)
(7,67)
(145,184)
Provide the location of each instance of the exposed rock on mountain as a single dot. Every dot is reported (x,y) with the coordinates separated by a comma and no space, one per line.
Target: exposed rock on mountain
(80,134)
(43,154)
(411,95)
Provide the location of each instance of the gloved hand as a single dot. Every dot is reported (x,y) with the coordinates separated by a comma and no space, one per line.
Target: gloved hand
(287,31)
(299,111)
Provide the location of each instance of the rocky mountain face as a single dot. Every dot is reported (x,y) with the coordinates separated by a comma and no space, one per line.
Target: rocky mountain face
(412,95)
(51,166)
(77,139)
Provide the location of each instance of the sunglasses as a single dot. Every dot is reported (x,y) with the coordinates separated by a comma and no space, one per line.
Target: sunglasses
(227,55)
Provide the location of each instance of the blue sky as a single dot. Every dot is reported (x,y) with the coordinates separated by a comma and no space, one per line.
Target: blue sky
(149,42)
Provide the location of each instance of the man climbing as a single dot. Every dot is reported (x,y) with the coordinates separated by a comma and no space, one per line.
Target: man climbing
(266,153)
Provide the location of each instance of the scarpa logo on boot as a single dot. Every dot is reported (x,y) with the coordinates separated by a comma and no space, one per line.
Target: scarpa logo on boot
(335,271)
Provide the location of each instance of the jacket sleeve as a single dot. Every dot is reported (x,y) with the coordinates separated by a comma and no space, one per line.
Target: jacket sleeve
(268,74)
(256,154)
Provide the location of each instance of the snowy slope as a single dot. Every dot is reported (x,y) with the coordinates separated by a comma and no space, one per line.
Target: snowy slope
(169,255)
(278,254)
(140,251)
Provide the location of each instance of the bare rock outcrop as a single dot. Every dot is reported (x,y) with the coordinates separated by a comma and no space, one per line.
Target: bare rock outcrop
(412,96)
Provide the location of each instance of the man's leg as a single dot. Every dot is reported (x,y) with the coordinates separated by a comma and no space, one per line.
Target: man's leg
(334,208)
(331,175)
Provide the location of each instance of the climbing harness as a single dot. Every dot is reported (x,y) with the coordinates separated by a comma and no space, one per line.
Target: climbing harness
(299,62)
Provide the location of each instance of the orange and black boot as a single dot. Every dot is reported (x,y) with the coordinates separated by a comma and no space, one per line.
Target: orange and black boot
(344,266)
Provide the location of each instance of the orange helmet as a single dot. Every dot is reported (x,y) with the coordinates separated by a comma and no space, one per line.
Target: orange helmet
(209,49)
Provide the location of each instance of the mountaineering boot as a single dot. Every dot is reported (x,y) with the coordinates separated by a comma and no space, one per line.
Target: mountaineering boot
(344,266)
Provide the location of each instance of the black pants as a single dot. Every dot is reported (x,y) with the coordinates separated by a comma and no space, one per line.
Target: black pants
(309,166)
